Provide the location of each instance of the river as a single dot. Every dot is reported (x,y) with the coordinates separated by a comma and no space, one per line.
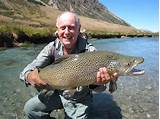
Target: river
(136,97)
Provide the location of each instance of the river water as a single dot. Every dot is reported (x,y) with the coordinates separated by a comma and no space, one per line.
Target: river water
(136,97)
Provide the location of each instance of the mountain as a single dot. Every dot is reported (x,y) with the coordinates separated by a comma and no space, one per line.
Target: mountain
(89,8)
(44,12)
(32,19)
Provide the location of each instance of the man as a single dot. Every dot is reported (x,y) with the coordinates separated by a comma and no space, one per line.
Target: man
(68,41)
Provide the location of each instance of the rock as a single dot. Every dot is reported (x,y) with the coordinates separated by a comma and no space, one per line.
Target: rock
(148,115)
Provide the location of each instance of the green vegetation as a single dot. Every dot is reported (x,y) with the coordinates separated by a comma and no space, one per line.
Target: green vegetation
(28,30)
(106,34)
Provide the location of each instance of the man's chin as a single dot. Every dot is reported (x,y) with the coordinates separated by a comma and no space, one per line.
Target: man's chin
(67,45)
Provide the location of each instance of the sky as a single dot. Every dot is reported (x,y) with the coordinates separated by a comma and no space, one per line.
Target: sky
(141,14)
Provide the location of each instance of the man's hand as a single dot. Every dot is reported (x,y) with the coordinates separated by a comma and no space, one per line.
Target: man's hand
(103,77)
(34,79)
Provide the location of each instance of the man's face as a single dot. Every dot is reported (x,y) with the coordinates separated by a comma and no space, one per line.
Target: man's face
(68,30)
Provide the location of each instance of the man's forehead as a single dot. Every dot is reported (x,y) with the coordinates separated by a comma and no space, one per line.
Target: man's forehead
(67,20)
(66,25)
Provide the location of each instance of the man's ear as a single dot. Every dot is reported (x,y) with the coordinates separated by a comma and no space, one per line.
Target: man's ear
(56,33)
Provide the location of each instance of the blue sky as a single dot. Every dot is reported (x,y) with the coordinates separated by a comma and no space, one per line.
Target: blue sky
(142,14)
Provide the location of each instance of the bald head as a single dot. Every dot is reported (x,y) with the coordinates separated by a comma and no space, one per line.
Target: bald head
(67,15)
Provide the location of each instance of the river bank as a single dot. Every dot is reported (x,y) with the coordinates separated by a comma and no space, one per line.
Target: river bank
(11,39)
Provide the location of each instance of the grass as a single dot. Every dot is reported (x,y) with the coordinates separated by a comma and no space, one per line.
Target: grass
(28,30)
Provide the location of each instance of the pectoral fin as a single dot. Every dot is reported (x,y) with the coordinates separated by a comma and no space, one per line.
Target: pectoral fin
(112,86)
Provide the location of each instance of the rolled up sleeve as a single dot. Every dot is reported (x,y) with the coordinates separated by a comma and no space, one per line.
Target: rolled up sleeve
(44,58)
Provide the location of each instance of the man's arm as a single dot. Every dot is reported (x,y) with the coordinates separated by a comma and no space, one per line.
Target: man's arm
(30,72)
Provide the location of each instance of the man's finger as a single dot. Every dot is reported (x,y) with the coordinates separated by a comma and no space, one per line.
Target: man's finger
(98,76)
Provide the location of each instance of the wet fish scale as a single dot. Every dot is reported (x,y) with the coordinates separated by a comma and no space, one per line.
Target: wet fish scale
(80,70)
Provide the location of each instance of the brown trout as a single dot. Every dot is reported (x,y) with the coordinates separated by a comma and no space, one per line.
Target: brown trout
(81,69)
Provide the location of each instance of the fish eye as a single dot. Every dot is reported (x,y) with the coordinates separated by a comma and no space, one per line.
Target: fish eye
(129,64)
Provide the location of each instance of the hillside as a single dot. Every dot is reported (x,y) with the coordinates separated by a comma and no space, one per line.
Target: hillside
(31,13)
(34,18)
(88,8)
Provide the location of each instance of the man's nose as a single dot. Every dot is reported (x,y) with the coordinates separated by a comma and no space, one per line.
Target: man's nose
(66,30)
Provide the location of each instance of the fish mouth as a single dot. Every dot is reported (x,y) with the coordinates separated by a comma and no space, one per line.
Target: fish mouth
(134,71)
